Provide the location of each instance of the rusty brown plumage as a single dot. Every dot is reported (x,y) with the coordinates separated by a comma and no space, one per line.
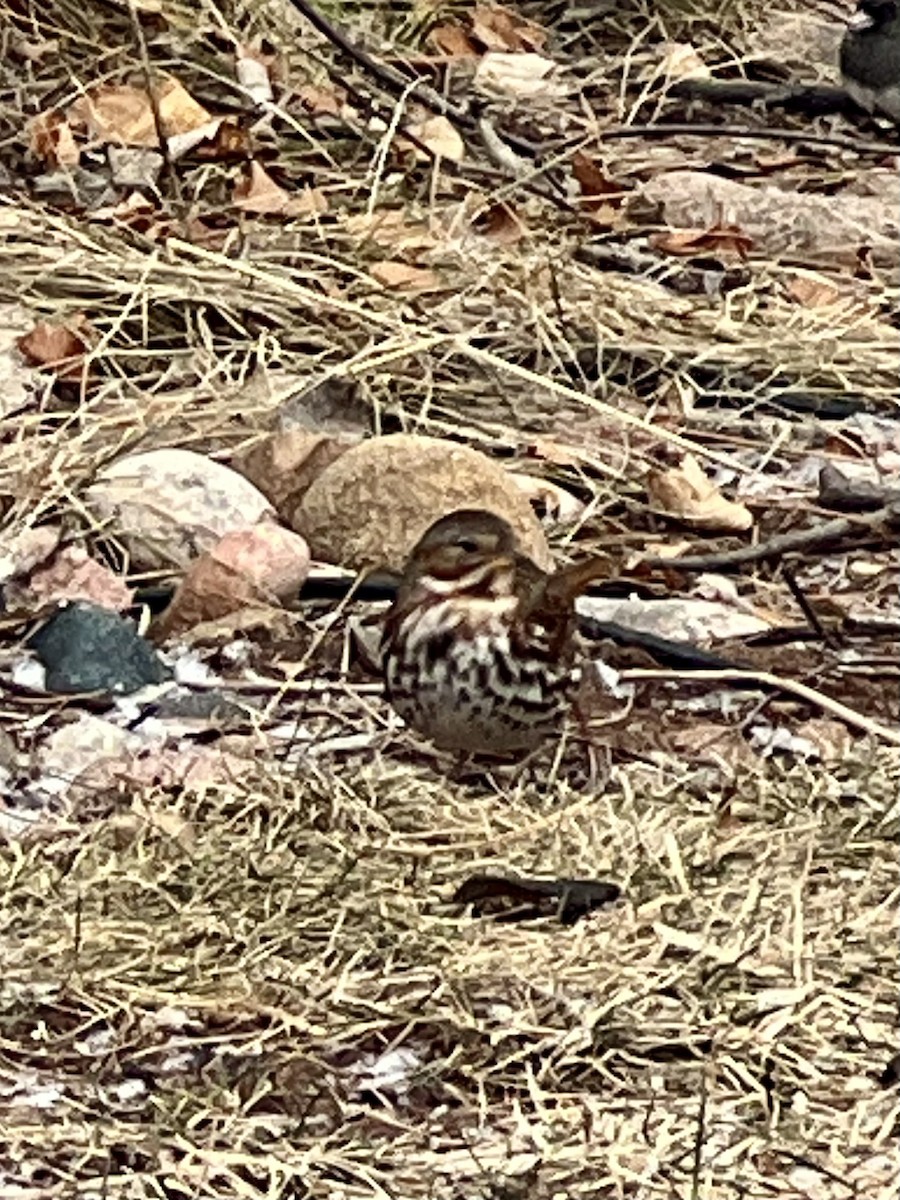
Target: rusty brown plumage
(478,648)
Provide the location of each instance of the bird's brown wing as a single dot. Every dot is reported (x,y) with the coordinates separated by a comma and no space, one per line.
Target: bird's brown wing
(549,600)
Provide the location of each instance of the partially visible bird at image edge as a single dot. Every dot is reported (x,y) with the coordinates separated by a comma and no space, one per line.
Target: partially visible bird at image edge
(870,57)
(478,646)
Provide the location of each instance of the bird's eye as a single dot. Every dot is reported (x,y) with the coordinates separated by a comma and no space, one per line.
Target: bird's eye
(469,545)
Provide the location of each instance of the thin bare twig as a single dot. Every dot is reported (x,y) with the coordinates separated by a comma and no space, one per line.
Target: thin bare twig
(790,686)
(818,537)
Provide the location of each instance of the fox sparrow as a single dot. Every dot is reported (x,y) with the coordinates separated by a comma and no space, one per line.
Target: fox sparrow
(477,649)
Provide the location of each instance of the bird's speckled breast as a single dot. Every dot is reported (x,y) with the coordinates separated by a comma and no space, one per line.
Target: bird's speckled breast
(474,690)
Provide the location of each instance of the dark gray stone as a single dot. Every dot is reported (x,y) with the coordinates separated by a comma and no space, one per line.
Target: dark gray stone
(86,648)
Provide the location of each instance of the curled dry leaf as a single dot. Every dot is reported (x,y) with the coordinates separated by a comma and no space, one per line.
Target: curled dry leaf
(123,114)
(527,76)
(812,292)
(402,277)
(601,197)
(252,568)
(558,503)
(134,210)
(320,101)
(681,61)
(390,227)
(60,347)
(498,28)
(51,140)
(258,193)
(441,138)
(452,40)
(686,493)
(718,238)
(502,223)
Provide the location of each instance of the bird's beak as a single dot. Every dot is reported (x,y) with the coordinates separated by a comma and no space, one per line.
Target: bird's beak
(860,21)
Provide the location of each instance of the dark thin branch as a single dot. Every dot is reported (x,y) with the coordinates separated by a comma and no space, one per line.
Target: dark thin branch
(394,80)
(687,129)
(469,119)
(814,99)
(790,578)
(169,170)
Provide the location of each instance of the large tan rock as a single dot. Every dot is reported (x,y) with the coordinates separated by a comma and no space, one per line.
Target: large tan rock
(371,506)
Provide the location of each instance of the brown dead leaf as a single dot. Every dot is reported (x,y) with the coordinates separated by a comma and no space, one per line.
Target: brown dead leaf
(284,464)
(322,101)
(246,568)
(501,222)
(813,293)
(685,492)
(601,197)
(209,591)
(123,114)
(498,28)
(134,210)
(389,228)
(719,238)
(440,137)
(51,139)
(453,41)
(258,193)
(402,277)
(61,348)
(225,139)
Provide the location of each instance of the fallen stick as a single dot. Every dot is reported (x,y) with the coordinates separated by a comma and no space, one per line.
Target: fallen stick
(791,686)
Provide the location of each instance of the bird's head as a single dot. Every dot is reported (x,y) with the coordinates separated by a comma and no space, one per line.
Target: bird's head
(463,548)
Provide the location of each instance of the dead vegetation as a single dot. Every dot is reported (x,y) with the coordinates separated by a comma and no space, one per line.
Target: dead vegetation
(260,989)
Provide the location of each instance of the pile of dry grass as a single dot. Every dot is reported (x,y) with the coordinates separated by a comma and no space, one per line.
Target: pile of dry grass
(218,1009)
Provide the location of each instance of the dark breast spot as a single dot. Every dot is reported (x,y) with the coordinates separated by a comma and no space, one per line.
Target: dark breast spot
(439,647)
